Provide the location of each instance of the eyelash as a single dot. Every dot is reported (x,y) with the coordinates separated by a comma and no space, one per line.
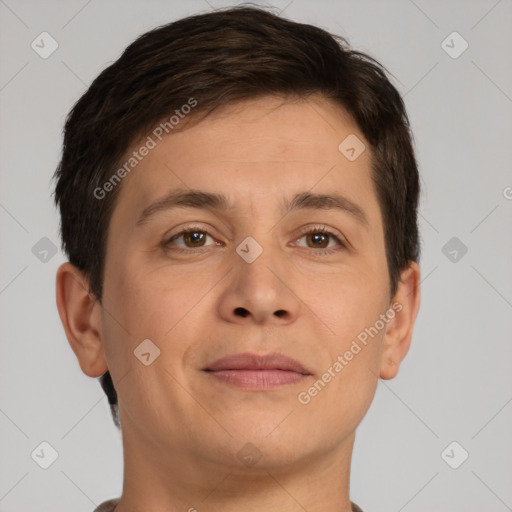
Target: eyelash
(324,231)
(307,231)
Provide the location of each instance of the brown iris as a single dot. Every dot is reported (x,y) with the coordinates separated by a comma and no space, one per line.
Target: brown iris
(316,238)
(194,237)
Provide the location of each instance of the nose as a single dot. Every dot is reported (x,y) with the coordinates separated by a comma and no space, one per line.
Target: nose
(260,292)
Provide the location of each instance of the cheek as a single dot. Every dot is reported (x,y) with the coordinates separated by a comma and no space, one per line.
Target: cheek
(139,307)
(150,302)
(349,307)
(346,300)
(344,389)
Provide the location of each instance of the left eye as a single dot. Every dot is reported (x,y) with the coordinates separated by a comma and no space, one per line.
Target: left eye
(320,239)
(194,237)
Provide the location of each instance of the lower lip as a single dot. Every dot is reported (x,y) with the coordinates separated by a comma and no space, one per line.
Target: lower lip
(258,379)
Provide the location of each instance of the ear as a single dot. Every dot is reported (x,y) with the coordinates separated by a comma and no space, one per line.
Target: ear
(80,314)
(405,305)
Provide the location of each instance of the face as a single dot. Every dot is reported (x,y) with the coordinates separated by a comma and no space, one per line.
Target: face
(261,274)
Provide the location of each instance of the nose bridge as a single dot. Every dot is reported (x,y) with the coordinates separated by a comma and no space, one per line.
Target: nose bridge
(258,264)
(258,287)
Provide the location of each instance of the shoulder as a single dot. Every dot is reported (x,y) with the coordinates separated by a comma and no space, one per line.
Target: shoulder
(107,506)
(355,508)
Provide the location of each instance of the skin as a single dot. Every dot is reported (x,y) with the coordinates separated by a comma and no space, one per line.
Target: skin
(182,428)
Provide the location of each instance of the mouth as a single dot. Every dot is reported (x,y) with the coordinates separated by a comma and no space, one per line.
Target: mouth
(250,371)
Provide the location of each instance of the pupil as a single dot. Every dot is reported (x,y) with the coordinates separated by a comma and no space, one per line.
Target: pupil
(195,236)
(319,238)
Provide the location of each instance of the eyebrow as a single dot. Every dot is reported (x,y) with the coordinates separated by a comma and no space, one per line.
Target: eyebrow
(214,201)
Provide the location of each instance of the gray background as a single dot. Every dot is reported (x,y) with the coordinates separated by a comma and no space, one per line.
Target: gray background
(455,384)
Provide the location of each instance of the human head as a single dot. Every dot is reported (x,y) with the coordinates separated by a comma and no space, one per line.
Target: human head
(209,61)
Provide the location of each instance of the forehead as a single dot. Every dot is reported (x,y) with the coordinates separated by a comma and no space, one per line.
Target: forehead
(251,150)
(273,129)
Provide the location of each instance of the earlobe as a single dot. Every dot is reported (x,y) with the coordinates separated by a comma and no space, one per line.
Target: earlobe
(80,314)
(397,339)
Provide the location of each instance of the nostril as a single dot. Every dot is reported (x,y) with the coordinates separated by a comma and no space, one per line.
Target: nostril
(241,311)
(280,313)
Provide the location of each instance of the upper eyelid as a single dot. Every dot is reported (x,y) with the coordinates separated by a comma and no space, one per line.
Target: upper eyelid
(342,241)
(189,229)
(321,228)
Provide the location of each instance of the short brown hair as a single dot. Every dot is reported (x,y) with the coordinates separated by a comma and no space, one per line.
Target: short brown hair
(218,58)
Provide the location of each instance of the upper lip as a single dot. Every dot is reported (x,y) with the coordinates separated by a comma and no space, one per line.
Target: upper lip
(249,361)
